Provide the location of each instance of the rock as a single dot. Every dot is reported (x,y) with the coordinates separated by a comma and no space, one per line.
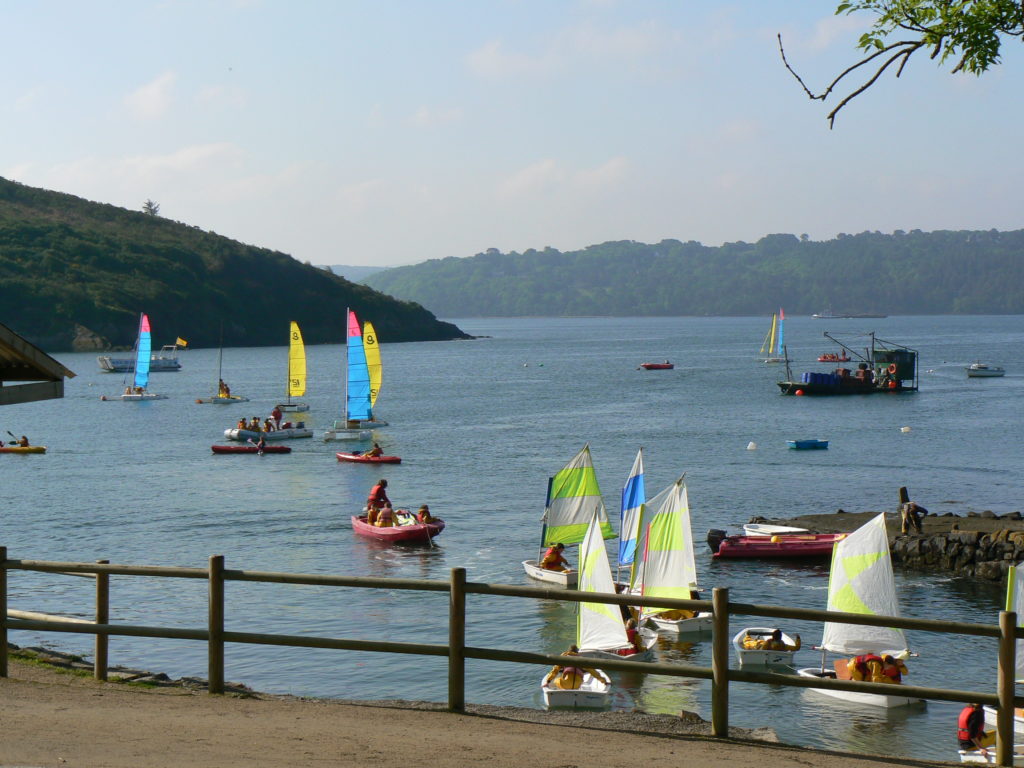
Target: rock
(87,341)
(988,514)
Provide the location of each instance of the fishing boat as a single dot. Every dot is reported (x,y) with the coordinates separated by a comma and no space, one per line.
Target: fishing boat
(807,445)
(883,366)
(410,533)
(22,449)
(767,529)
(577,688)
(296,381)
(288,431)
(362,458)
(798,546)
(573,495)
(665,565)
(666,366)
(984,371)
(861,581)
(363,380)
(600,631)
(250,449)
(223,396)
(164,360)
(1015,603)
(136,391)
(744,643)
(772,346)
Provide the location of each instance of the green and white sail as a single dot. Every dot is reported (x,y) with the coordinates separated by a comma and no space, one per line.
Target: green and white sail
(572,501)
(599,625)
(1015,603)
(861,581)
(665,564)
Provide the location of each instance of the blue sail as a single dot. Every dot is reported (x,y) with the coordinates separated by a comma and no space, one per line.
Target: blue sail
(357,392)
(633,498)
(142,353)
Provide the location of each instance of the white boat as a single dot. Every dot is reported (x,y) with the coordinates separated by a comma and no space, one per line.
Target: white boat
(748,657)
(861,581)
(592,692)
(296,380)
(771,348)
(666,566)
(362,380)
(573,496)
(164,360)
(764,529)
(1015,603)
(285,433)
(600,631)
(136,391)
(988,757)
(984,371)
(340,431)
(223,395)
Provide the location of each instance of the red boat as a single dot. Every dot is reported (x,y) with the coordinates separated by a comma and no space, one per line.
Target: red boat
(250,449)
(832,357)
(806,545)
(414,532)
(362,458)
(666,366)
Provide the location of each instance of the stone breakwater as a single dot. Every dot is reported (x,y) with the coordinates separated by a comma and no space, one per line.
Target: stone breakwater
(962,553)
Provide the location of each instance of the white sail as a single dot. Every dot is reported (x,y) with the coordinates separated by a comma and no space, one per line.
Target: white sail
(599,625)
(572,498)
(861,581)
(1015,603)
(666,564)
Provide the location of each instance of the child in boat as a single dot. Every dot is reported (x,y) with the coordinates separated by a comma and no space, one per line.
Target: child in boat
(378,495)
(423,515)
(386,516)
(553,559)
(375,451)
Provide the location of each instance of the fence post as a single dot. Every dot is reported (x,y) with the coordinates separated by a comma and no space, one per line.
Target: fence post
(99,664)
(457,642)
(1005,687)
(3,611)
(720,662)
(215,649)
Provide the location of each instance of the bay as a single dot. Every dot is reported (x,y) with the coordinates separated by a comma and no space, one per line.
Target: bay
(480,426)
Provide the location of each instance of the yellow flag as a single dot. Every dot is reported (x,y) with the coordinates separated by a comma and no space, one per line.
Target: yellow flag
(181,342)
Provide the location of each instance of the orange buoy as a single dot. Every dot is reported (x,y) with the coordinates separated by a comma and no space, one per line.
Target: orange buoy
(799,392)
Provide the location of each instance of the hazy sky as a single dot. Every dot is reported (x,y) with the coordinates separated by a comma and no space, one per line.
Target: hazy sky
(392,131)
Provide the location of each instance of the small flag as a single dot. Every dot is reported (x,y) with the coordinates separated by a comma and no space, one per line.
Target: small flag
(181,342)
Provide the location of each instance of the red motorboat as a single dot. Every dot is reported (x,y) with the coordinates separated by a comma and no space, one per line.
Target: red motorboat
(250,449)
(666,366)
(833,357)
(411,533)
(807,545)
(362,458)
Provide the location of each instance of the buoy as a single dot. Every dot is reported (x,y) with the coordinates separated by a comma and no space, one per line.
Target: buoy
(103,397)
(904,429)
(751,446)
(799,393)
(199,401)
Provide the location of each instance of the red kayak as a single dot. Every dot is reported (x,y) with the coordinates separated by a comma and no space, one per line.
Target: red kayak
(250,449)
(408,533)
(361,458)
(657,366)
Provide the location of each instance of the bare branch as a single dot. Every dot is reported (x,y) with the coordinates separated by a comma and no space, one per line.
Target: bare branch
(904,54)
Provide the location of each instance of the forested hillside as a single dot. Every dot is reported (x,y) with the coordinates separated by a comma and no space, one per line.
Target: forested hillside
(68,264)
(902,273)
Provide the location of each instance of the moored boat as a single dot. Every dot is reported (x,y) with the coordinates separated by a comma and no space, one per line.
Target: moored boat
(833,357)
(807,445)
(666,366)
(808,545)
(411,533)
(361,458)
(164,360)
(883,367)
(577,688)
(747,640)
(984,371)
(250,449)
(767,529)
(22,449)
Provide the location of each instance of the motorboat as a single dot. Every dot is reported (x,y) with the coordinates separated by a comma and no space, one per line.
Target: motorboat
(807,445)
(410,533)
(666,366)
(984,371)
(808,545)
(767,529)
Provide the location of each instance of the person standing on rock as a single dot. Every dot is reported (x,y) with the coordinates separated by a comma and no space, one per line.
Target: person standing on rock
(910,516)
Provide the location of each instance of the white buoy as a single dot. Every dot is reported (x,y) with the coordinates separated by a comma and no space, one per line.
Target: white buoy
(904,429)
(751,446)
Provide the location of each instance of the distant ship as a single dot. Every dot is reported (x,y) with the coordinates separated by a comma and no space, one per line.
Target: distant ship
(830,315)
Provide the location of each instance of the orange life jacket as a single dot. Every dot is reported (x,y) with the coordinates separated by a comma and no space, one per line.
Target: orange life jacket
(964,724)
(861,662)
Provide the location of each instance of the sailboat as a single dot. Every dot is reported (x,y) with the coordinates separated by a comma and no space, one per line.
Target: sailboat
(633,496)
(359,398)
(600,631)
(296,372)
(573,497)
(1015,603)
(772,344)
(665,564)
(143,350)
(861,581)
(223,396)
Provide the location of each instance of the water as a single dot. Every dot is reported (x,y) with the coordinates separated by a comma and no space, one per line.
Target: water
(480,426)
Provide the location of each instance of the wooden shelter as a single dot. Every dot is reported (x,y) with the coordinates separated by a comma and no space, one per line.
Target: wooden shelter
(21,361)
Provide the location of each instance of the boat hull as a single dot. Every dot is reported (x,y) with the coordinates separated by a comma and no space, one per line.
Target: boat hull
(23,449)
(851,697)
(417,532)
(592,694)
(221,400)
(696,625)
(600,653)
(138,398)
(291,433)
(807,445)
(559,578)
(250,449)
(983,371)
(812,388)
(794,546)
(358,458)
(657,366)
(1018,718)
(160,362)
(751,657)
(292,407)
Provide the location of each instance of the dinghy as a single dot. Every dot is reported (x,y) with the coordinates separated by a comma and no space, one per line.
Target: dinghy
(752,656)
(223,395)
(288,431)
(577,688)
(408,533)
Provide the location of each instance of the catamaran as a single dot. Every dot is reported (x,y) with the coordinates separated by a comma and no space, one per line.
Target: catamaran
(143,348)
(296,372)
(861,581)
(772,345)
(573,497)
(223,396)
(362,385)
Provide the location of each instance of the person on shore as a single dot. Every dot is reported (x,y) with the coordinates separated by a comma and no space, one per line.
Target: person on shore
(378,496)
(553,559)
(970,729)
(910,516)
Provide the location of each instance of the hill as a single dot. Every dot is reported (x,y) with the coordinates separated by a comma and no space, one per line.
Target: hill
(355,274)
(902,273)
(75,274)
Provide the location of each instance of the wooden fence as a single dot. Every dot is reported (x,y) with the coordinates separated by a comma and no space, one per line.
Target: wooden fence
(719,673)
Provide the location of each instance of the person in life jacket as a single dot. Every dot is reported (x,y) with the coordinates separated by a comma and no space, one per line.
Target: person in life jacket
(771,642)
(570,676)
(892,670)
(378,495)
(423,515)
(386,516)
(865,667)
(970,729)
(636,643)
(553,559)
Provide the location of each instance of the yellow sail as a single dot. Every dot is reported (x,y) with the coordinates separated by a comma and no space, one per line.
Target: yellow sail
(372,360)
(768,345)
(296,362)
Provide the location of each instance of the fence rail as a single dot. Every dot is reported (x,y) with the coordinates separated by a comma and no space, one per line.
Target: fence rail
(721,675)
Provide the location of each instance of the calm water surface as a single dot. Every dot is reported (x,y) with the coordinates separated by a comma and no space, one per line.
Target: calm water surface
(480,426)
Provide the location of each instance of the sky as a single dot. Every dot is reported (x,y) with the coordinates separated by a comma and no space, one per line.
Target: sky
(389,132)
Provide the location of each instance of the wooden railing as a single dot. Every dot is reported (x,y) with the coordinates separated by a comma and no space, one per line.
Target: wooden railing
(720,674)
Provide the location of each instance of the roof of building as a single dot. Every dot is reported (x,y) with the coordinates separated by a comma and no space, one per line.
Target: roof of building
(22,361)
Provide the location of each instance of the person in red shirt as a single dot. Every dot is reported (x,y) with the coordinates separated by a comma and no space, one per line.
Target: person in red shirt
(378,497)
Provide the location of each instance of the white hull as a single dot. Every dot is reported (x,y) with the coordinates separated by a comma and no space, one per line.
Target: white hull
(598,653)
(292,407)
(219,400)
(696,625)
(850,697)
(748,657)
(559,578)
(757,529)
(1018,719)
(143,396)
(347,434)
(592,694)
(989,758)
(243,435)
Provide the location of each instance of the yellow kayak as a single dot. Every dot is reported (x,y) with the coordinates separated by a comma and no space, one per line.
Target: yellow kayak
(22,449)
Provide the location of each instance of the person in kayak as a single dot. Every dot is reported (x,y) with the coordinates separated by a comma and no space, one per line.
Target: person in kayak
(553,559)
(375,451)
